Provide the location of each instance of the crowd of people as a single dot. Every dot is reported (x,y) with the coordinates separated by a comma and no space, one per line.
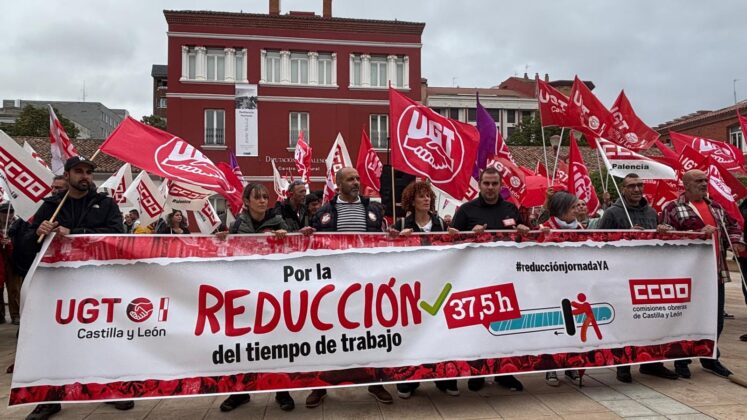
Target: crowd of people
(86,211)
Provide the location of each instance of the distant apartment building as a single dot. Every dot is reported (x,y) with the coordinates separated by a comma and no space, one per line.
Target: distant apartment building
(93,119)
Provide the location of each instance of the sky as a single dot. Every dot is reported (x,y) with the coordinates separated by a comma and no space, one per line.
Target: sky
(671,57)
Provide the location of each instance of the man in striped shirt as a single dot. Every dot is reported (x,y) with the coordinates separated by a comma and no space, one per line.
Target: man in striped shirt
(348,211)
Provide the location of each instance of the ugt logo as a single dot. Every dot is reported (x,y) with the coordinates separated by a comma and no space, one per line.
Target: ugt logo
(430,148)
(88,310)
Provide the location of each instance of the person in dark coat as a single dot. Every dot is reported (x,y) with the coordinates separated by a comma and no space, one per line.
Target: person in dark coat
(84,212)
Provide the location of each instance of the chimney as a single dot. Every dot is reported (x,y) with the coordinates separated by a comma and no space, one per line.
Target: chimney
(547,77)
(526,75)
(327,9)
(275,7)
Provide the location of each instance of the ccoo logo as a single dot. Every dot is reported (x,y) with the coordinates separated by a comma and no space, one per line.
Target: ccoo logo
(183,162)
(432,149)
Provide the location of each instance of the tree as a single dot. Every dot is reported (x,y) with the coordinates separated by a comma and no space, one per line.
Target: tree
(154,120)
(529,133)
(34,122)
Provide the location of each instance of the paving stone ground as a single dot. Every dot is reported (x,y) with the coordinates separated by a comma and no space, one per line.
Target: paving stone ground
(601,397)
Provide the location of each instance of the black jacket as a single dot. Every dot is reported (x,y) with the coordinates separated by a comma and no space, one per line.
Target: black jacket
(642,215)
(501,215)
(325,219)
(285,210)
(94,213)
(408,222)
(245,224)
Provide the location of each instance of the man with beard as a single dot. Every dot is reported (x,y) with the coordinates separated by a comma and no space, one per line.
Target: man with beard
(348,211)
(293,208)
(489,212)
(694,211)
(84,211)
(643,217)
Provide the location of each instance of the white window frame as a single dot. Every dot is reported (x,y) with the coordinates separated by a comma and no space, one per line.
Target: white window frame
(378,71)
(240,67)
(325,65)
(162,102)
(378,131)
(217,56)
(192,64)
(273,67)
(736,137)
(218,117)
(220,205)
(297,63)
(293,132)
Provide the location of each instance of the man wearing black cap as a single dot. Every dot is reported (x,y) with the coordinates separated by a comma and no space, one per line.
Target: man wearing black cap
(84,211)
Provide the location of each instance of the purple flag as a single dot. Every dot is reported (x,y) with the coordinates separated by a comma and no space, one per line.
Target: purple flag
(488,132)
(234,164)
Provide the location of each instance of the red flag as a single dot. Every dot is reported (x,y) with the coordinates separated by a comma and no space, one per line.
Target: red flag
(426,144)
(236,202)
(553,106)
(540,169)
(742,125)
(690,159)
(512,177)
(501,148)
(166,155)
(234,164)
(669,157)
(719,192)
(628,130)
(337,159)
(561,172)
(369,166)
(588,113)
(579,182)
(279,184)
(729,156)
(738,190)
(664,191)
(303,158)
(62,147)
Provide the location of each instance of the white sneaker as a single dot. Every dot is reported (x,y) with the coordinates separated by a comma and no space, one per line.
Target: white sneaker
(573,376)
(551,378)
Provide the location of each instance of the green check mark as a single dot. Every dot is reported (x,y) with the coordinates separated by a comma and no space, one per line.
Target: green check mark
(433,309)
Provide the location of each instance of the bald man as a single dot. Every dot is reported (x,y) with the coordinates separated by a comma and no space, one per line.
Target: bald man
(694,211)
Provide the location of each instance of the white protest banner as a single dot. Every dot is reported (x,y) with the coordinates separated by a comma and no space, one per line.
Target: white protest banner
(192,315)
(27,180)
(247,117)
(621,161)
(117,184)
(34,154)
(183,196)
(207,218)
(146,198)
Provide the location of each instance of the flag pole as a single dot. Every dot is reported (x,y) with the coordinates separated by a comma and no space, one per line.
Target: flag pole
(622,199)
(599,165)
(557,156)
(731,246)
(542,129)
(62,202)
(7,217)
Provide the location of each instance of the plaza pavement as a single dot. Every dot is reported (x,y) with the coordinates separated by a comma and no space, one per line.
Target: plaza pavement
(601,397)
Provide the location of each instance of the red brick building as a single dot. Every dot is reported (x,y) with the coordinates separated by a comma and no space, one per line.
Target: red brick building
(319,74)
(721,124)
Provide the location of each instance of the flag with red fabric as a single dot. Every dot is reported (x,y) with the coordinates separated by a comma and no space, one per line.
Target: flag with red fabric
(427,144)
(627,129)
(561,173)
(236,202)
(279,183)
(337,159)
(742,125)
(234,163)
(369,167)
(302,155)
(512,177)
(579,182)
(166,155)
(668,156)
(553,106)
(540,169)
(663,192)
(729,156)
(720,192)
(61,146)
(588,113)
